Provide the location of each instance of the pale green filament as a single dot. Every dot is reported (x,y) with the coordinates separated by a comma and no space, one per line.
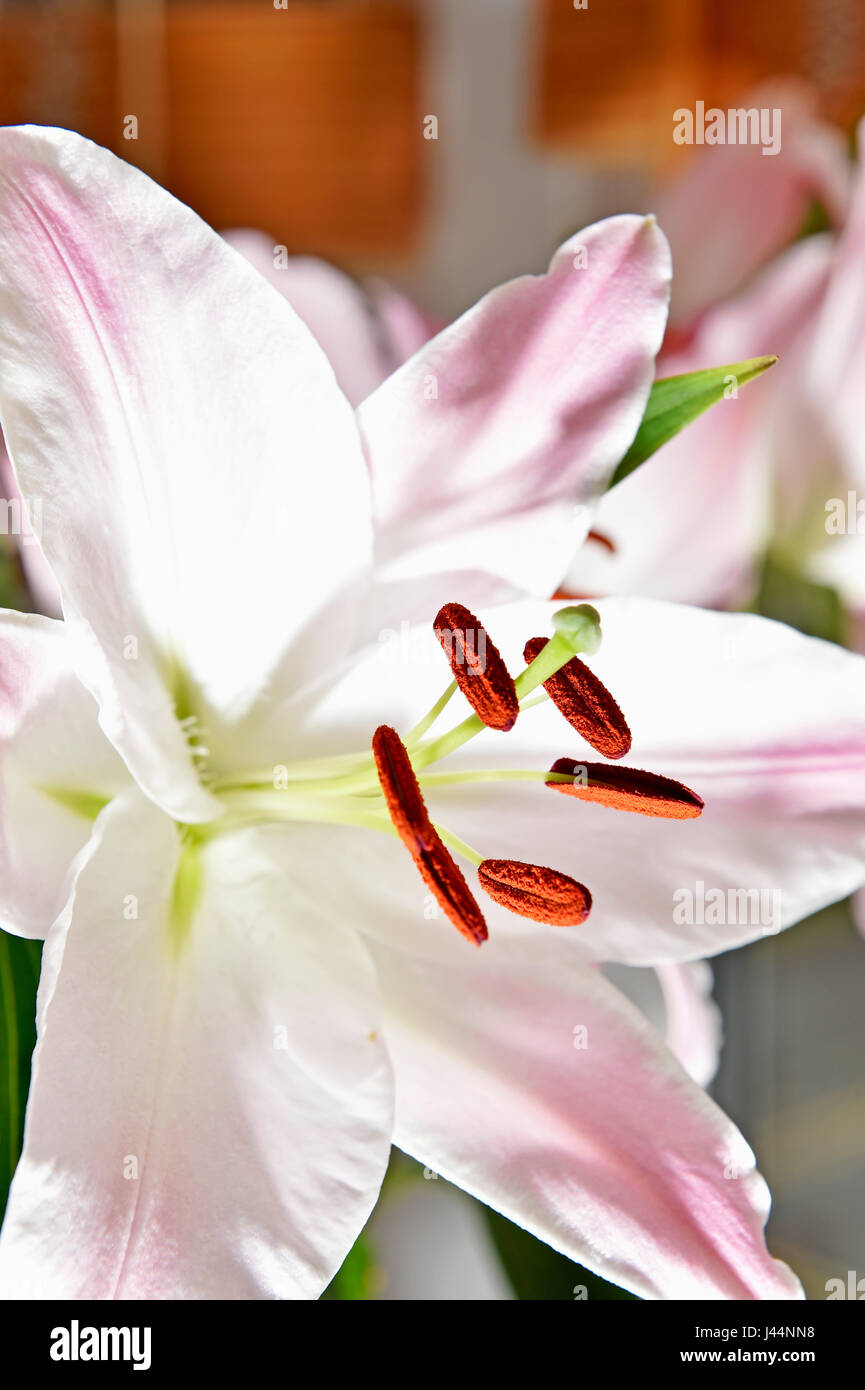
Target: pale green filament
(534,701)
(493,774)
(344,789)
(577,630)
(416,734)
(250,807)
(459,846)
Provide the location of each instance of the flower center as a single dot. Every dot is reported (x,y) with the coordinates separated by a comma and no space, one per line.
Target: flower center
(384,788)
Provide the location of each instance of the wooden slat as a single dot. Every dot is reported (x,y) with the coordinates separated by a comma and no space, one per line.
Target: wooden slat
(303,121)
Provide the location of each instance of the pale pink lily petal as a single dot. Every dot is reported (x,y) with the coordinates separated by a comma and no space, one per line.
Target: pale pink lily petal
(691,523)
(489,447)
(335,309)
(839,345)
(694,1028)
(51,742)
(169,408)
(210,1117)
(677,1001)
(407,327)
(734,207)
(765,724)
(40,580)
(527,1079)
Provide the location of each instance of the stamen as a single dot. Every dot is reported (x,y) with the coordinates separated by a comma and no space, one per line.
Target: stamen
(578,629)
(438,869)
(533,891)
(477,665)
(445,879)
(402,792)
(586,703)
(627,789)
(416,734)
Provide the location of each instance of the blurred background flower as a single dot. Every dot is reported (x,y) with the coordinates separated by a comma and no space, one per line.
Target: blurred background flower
(430,149)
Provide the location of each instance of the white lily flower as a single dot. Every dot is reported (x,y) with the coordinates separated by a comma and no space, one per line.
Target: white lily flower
(247,990)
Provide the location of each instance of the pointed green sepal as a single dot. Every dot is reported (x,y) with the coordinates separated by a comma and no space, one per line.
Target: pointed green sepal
(675,401)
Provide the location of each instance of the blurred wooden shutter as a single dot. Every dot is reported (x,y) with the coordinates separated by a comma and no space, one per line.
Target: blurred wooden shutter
(303,121)
(610,75)
(57,66)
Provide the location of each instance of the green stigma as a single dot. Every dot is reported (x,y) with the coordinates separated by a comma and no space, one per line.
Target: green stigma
(580,626)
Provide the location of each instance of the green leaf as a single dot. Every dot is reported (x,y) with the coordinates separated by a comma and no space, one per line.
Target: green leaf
(19,976)
(675,401)
(536,1271)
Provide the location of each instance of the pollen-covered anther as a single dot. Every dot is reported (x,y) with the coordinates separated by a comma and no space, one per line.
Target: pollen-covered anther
(477,666)
(627,789)
(407,809)
(542,894)
(586,703)
(446,881)
(404,798)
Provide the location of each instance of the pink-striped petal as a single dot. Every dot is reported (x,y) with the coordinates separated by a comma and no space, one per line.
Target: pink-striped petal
(205,499)
(490,446)
(527,1079)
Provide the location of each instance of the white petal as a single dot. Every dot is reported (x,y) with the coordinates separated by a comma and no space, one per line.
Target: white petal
(332,305)
(210,1115)
(526,1078)
(203,485)
(694,1025)
(766,725)
(489,447)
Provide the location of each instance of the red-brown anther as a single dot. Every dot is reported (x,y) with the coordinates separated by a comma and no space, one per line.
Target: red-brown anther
(627,789)
(477,666)
(445,879)
(438,869)
(586,703)
(401,790)
(533,891)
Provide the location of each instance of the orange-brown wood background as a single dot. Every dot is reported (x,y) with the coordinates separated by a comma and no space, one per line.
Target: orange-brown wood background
(303,121)
(306,121)
(610,75)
